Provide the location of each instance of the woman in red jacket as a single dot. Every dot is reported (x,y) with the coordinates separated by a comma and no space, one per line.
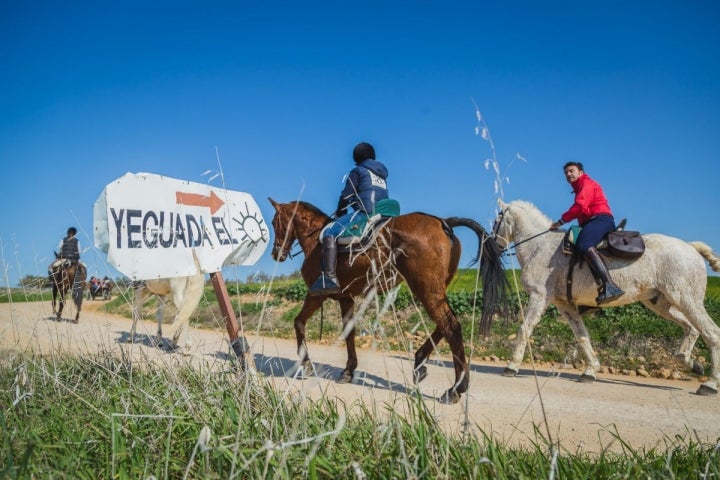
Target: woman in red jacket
(592,211)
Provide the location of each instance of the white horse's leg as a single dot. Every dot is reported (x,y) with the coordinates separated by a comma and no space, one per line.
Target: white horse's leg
(138,300)
(710,333)
(159,317)
(187,293)
(535,309)
(684,353)
(577,325)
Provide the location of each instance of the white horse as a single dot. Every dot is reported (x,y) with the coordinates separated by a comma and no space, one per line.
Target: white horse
(670,279)
(185,292)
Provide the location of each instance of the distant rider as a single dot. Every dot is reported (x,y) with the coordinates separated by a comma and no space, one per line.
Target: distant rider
(69,249)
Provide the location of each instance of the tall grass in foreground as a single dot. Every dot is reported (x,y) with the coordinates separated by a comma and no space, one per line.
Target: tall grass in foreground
(103,417)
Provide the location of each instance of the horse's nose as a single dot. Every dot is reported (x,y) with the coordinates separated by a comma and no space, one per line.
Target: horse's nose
(278,254)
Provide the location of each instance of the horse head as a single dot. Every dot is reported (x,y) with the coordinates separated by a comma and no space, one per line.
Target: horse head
(293,221)
(502,226)
(282,224)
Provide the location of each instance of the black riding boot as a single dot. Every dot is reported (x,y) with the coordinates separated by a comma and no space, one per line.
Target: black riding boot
(608,290)
(327,283)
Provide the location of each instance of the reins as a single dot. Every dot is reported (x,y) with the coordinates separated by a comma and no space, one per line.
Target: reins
(297,241)
(514,245)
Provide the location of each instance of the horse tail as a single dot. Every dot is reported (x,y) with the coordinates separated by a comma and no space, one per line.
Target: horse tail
(492,271)
(707,253)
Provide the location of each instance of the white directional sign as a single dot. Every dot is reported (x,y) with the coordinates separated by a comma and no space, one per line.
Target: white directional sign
(153,226)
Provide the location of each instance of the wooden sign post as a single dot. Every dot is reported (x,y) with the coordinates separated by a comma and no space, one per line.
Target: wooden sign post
(237,339)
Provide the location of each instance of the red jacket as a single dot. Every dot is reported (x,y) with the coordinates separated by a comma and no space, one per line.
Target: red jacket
(589,201)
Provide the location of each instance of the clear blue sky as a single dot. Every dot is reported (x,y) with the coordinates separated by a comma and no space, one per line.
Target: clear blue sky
(283,90)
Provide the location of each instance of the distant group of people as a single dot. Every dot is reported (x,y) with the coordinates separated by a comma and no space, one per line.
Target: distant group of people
(98,287)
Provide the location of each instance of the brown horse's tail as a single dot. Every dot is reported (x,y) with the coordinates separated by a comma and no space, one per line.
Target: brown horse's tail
(491,268)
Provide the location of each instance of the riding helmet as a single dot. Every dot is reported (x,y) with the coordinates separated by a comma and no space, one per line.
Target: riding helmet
(363,151)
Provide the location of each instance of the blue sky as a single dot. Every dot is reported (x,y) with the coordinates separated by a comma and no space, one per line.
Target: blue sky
(280,92)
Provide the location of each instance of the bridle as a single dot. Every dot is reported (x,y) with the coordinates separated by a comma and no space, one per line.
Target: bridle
(279,245)
(505,250)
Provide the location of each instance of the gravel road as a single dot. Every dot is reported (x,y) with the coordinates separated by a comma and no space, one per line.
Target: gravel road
(643,412)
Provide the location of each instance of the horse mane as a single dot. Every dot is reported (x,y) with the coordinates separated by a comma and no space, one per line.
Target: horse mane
(531,208)
(312,208)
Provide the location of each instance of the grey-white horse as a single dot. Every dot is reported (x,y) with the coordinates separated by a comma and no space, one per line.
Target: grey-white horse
(185,292)
(670,279)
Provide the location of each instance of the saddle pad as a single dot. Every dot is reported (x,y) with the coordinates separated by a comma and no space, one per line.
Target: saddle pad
(357,230)
(363,226)
(387,207)
(570,237)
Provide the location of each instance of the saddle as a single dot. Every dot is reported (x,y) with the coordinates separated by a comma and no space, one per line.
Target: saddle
(62,263)
(359,235)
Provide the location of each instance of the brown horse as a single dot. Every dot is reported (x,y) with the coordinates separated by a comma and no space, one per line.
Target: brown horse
(418,248)
(67,277)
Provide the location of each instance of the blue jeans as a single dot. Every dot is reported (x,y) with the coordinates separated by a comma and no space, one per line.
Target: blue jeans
(340,224)
(594,231)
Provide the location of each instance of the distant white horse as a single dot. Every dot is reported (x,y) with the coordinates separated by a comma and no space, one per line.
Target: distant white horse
(185,292)
(670,279)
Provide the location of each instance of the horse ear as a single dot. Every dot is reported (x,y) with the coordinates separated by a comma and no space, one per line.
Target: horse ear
(273,202)
(501,204)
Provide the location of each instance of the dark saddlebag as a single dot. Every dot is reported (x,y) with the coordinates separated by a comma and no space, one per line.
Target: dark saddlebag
(625,244)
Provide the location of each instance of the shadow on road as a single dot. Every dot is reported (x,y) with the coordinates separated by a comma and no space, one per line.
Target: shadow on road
(53,318)
(275,366)
(559,374)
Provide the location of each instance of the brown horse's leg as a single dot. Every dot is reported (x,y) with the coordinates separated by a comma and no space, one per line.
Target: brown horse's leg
(457,346)
(422,354)
(347,307)
(60,304)
(448,324)
(310,305)
(54,297)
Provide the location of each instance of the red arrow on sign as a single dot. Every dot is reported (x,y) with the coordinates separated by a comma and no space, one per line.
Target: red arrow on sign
(197,200)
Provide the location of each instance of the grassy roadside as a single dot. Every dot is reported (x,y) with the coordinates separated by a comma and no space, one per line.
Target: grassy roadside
(98,417)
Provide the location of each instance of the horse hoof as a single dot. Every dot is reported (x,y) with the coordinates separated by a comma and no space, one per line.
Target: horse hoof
(584,378)
(307,369)
(706,390)
(345,377)
(167,346)
(450,397)
(420,374)
(697,368)
(509,372)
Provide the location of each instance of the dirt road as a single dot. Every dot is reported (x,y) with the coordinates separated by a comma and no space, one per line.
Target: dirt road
(643,412)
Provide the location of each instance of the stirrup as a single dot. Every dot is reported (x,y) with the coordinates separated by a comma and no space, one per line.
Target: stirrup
(606,296)
(324,285)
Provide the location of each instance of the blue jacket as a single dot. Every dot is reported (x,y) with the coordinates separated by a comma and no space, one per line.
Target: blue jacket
(364,186)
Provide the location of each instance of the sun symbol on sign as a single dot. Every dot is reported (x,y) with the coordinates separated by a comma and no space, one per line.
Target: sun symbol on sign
(251,227)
